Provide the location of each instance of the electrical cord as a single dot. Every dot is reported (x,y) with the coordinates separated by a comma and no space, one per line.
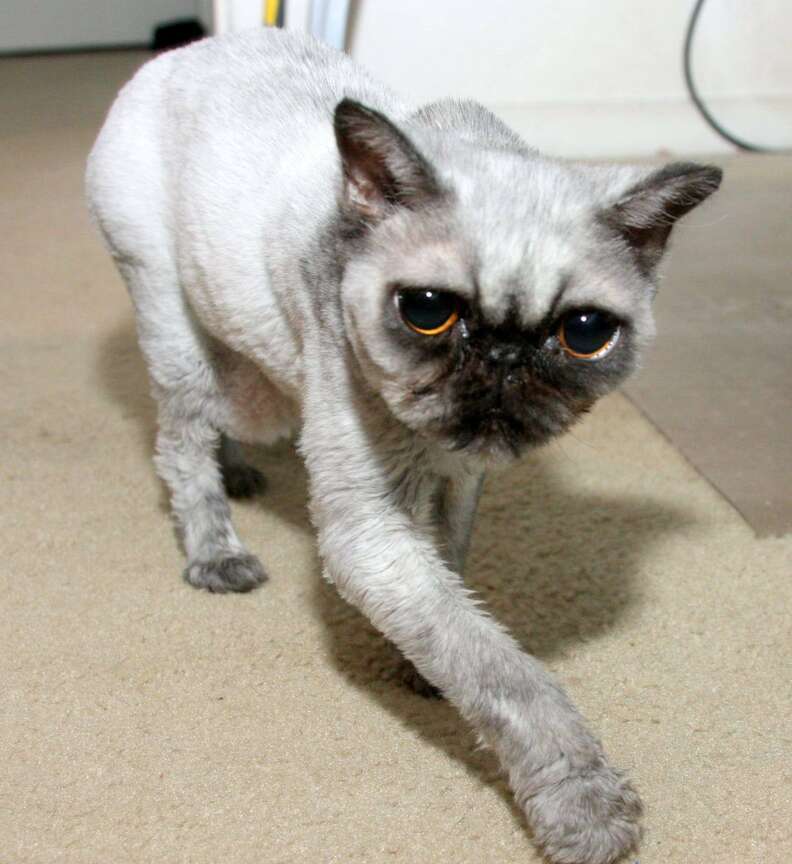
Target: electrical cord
(741,143)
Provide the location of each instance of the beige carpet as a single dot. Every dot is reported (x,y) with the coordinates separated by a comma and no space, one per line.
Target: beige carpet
(143,721)
(719,383)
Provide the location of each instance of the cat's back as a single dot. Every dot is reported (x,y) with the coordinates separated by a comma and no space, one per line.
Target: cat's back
(238,115)
(266,74)
(263,88)
(215,166)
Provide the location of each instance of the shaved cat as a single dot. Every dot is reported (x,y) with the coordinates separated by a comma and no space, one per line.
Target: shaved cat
(418,294)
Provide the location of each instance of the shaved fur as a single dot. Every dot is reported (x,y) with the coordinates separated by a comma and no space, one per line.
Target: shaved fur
(266,202)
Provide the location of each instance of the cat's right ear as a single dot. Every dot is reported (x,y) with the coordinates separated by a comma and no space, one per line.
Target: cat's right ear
(382,168)
(645,214)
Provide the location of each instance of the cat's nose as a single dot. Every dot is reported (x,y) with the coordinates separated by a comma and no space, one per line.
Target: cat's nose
(505,355)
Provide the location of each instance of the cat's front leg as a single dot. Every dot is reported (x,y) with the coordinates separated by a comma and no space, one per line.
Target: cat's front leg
(457,506)
(581,811)
(456,503)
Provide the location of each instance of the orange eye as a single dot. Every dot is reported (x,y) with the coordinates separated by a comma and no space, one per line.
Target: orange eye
(588,334)
(427,311)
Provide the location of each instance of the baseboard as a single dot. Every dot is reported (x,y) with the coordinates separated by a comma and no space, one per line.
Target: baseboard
(618,129)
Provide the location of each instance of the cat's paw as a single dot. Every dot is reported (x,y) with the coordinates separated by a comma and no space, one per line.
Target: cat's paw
(243,481)
(590,817)
(228,573)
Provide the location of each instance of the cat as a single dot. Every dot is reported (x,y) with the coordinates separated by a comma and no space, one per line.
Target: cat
(418,294)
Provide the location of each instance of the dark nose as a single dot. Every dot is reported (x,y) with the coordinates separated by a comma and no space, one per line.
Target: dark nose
(505,356)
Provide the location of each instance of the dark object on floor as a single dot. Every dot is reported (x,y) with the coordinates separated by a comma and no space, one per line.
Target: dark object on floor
(174,34)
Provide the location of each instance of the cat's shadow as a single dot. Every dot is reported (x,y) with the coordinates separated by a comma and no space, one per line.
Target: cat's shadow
(557,565)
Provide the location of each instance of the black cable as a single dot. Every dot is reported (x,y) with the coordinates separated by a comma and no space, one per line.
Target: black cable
(699,103)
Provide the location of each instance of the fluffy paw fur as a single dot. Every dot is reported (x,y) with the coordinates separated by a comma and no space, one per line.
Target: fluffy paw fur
(243,481)
(587,818)
(231,573)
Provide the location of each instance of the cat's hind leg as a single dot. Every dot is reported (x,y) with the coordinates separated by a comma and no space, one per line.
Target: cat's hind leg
(191,415)
(186,460)
(240,479)
(127,187)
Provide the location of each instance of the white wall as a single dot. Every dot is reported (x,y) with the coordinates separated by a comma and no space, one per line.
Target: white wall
(233,15)
(205,14)
(27,25)
(591,77)
(575,77)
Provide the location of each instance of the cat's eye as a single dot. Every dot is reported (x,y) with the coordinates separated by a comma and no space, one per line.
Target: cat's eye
(588,334)
(427,311)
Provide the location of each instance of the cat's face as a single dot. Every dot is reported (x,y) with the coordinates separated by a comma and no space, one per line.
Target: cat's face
(490,295)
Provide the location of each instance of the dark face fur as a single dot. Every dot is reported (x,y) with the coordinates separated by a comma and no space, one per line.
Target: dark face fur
(503,386)
(518,247)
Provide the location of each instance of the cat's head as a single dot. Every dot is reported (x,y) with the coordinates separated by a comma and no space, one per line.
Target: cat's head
(491,295)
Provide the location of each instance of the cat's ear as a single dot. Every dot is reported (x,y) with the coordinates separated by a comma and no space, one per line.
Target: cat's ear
(645,214)
(381,166)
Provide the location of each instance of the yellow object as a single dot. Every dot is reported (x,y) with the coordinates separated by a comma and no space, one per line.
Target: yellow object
(271,8)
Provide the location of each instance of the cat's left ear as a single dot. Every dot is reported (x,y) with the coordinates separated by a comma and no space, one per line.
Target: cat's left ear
(645,214)
(382,168)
